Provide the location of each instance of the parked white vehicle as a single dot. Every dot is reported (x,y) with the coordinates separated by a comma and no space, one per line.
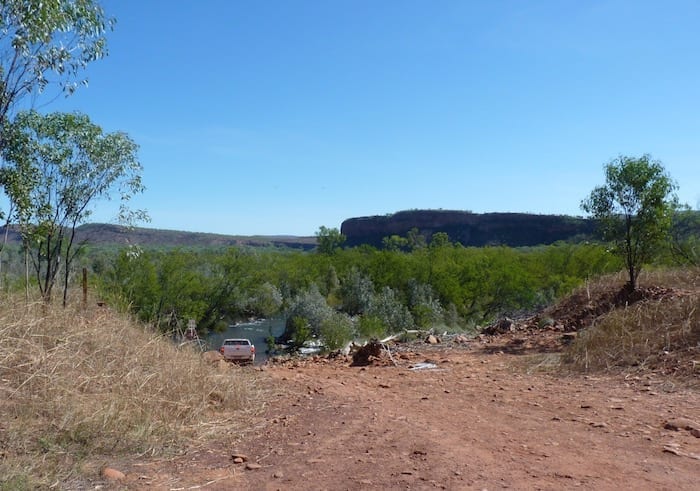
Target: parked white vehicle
(238,350)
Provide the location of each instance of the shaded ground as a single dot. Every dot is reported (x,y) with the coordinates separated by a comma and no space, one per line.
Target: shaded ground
(485,417)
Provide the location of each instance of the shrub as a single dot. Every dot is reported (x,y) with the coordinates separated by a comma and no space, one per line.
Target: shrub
(356,291)
(337,331)
(392,313)
(311,306)
(371,326)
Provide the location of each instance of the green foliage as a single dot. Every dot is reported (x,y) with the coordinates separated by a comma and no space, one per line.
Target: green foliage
(356,291)
(57,167)
(371,326)
(634,209)
(47,43)
(685,237)
(329,240)
(310,306)
(299,330)
(415,239)
(267,300)
(388,291)
(424,305)
(391,312)
(439,239)
(395,243)
(271,343)
(336,331)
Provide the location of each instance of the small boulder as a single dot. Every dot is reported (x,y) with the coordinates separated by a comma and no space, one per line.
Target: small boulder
(110,474)
(678,424)
(239,458)
(432,339)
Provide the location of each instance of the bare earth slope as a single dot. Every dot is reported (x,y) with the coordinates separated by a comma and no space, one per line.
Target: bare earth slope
(481,419)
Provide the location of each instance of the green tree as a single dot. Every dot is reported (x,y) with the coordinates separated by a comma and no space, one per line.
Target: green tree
(329,240)
(44,43)
(415,239)
(439,239)
(634,209)
(395,243)
(58,166)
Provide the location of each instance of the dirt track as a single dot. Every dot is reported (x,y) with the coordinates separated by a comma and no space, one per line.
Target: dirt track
(479,420)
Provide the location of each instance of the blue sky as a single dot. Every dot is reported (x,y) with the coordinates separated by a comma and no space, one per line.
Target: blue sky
(276,117)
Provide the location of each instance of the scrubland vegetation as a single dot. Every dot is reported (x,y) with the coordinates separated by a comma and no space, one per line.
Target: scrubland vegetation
(363,291)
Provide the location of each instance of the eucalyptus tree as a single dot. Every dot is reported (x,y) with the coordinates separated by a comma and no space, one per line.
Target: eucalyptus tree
(44,44)
(47,43)
(634,208)
(57,168)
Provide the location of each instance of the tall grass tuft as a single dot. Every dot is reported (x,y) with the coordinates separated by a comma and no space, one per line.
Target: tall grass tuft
(660,333)
(77,386)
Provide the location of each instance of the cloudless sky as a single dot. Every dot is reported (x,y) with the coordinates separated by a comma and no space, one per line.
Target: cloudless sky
(279,116)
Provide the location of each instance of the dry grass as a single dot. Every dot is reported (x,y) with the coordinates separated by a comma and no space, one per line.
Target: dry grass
(78,387)
(661,333)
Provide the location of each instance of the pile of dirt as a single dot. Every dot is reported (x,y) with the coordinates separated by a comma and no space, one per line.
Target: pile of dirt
(366,354)
(580,310)
(554,329)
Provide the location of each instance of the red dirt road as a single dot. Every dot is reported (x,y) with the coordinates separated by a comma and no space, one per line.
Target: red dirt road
(476,421)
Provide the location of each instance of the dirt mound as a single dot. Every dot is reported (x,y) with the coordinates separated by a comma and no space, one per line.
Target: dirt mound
(581,309)
(607,325)
(365,354)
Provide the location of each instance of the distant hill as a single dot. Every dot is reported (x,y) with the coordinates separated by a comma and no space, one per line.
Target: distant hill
(469,229)
(107,234)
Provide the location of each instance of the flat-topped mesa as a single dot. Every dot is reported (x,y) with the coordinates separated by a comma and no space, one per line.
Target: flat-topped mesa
(469,229)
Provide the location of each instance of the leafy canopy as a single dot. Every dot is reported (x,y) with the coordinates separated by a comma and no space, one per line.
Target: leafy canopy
(57,166)
(634,209)
(45,42)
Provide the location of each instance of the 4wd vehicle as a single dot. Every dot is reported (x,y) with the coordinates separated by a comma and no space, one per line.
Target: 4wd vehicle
(238,350)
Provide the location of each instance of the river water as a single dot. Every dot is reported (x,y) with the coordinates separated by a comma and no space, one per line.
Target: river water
(256,331)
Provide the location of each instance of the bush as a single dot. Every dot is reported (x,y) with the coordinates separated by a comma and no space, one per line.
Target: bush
(392,313)
(426,307)
(371,326)
(299,330)
(337,331)
(357,291)
(311,306)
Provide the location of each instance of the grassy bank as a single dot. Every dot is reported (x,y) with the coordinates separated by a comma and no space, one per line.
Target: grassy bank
(660,331)
(82,387)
